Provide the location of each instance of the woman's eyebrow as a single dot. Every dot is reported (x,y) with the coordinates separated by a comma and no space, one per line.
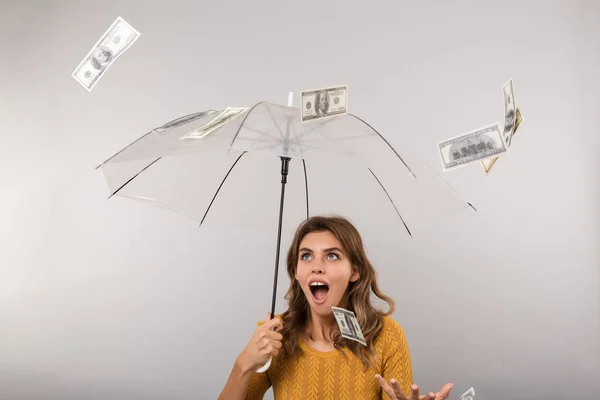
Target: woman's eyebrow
(305,249)
(333,249)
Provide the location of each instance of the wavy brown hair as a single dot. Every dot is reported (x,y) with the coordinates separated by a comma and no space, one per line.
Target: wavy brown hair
(358,293)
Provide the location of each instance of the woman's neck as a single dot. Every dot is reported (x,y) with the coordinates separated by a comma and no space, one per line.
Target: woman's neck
(319,328)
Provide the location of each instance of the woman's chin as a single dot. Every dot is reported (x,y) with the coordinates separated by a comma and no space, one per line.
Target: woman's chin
(322,307)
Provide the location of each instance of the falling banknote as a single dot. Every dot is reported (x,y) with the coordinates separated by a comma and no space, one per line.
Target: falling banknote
(323,103)
(349,327)
(181,121)
(473,146)
(489,163)
(228,115)
(510,111)
(519,120)
(118,38)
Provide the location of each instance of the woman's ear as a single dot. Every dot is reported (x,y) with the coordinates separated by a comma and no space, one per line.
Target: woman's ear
(355,275)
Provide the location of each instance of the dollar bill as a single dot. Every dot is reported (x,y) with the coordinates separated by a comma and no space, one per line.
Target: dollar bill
(228,115)
(519,119)
(349,327)
(473,146)
(489,163)
(115,41)
(181,121)
(510,111)
(323,103)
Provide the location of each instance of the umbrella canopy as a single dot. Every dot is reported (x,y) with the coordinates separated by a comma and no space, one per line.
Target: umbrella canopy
(187,163)
(168,168)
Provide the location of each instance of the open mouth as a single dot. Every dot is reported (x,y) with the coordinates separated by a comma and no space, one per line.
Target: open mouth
(319,292)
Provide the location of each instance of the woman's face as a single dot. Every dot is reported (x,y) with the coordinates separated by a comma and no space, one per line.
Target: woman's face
(323,271)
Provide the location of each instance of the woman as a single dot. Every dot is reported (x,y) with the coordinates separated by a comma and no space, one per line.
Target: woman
(328,267)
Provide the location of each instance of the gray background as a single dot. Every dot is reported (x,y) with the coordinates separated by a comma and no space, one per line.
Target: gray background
(117,300)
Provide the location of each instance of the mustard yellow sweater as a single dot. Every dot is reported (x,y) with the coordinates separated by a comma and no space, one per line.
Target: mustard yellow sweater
(328,375)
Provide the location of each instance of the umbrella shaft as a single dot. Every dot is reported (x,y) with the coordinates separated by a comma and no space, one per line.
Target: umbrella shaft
(285,165)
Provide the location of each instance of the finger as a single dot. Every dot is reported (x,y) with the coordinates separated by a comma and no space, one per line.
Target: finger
(444,392)
(429,396)
(275,336)
(274,324)
(276,344)
(279,326)
(397,389)
(273,351)
(387,388)
(414,392)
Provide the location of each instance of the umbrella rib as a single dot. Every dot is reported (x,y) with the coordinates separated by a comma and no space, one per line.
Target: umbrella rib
(261,133)
(123,149)
(386,142)
(274,121)
(392,201)
(313,128)
(258,140)
(451,187)
(307,146)
(242,124)
(293,140)
(133,177)
(306,186)
(336,140)
(264,134)
(221,185)
(153,131)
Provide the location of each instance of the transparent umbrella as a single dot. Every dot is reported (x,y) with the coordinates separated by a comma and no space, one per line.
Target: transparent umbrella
(235,163)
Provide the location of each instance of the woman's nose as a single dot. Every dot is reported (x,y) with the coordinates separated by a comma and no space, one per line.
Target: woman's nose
(317,269)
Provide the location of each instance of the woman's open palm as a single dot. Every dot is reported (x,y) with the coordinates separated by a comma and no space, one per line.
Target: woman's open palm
(394,391)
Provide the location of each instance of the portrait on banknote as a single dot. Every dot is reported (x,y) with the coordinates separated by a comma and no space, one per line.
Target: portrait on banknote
(101,57)
(350,325)
(322,103)
(509,122)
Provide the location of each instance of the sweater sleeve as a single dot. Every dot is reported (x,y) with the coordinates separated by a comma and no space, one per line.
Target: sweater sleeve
(397,362)
(259,384)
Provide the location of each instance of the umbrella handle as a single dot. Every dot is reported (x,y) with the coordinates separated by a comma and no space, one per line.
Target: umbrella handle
(265,367)
(267,364)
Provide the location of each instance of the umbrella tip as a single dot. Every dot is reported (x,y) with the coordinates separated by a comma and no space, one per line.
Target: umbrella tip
(290,102)
(471,205)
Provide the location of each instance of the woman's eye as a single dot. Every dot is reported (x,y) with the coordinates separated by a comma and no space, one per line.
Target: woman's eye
(304,256)
(334,255)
